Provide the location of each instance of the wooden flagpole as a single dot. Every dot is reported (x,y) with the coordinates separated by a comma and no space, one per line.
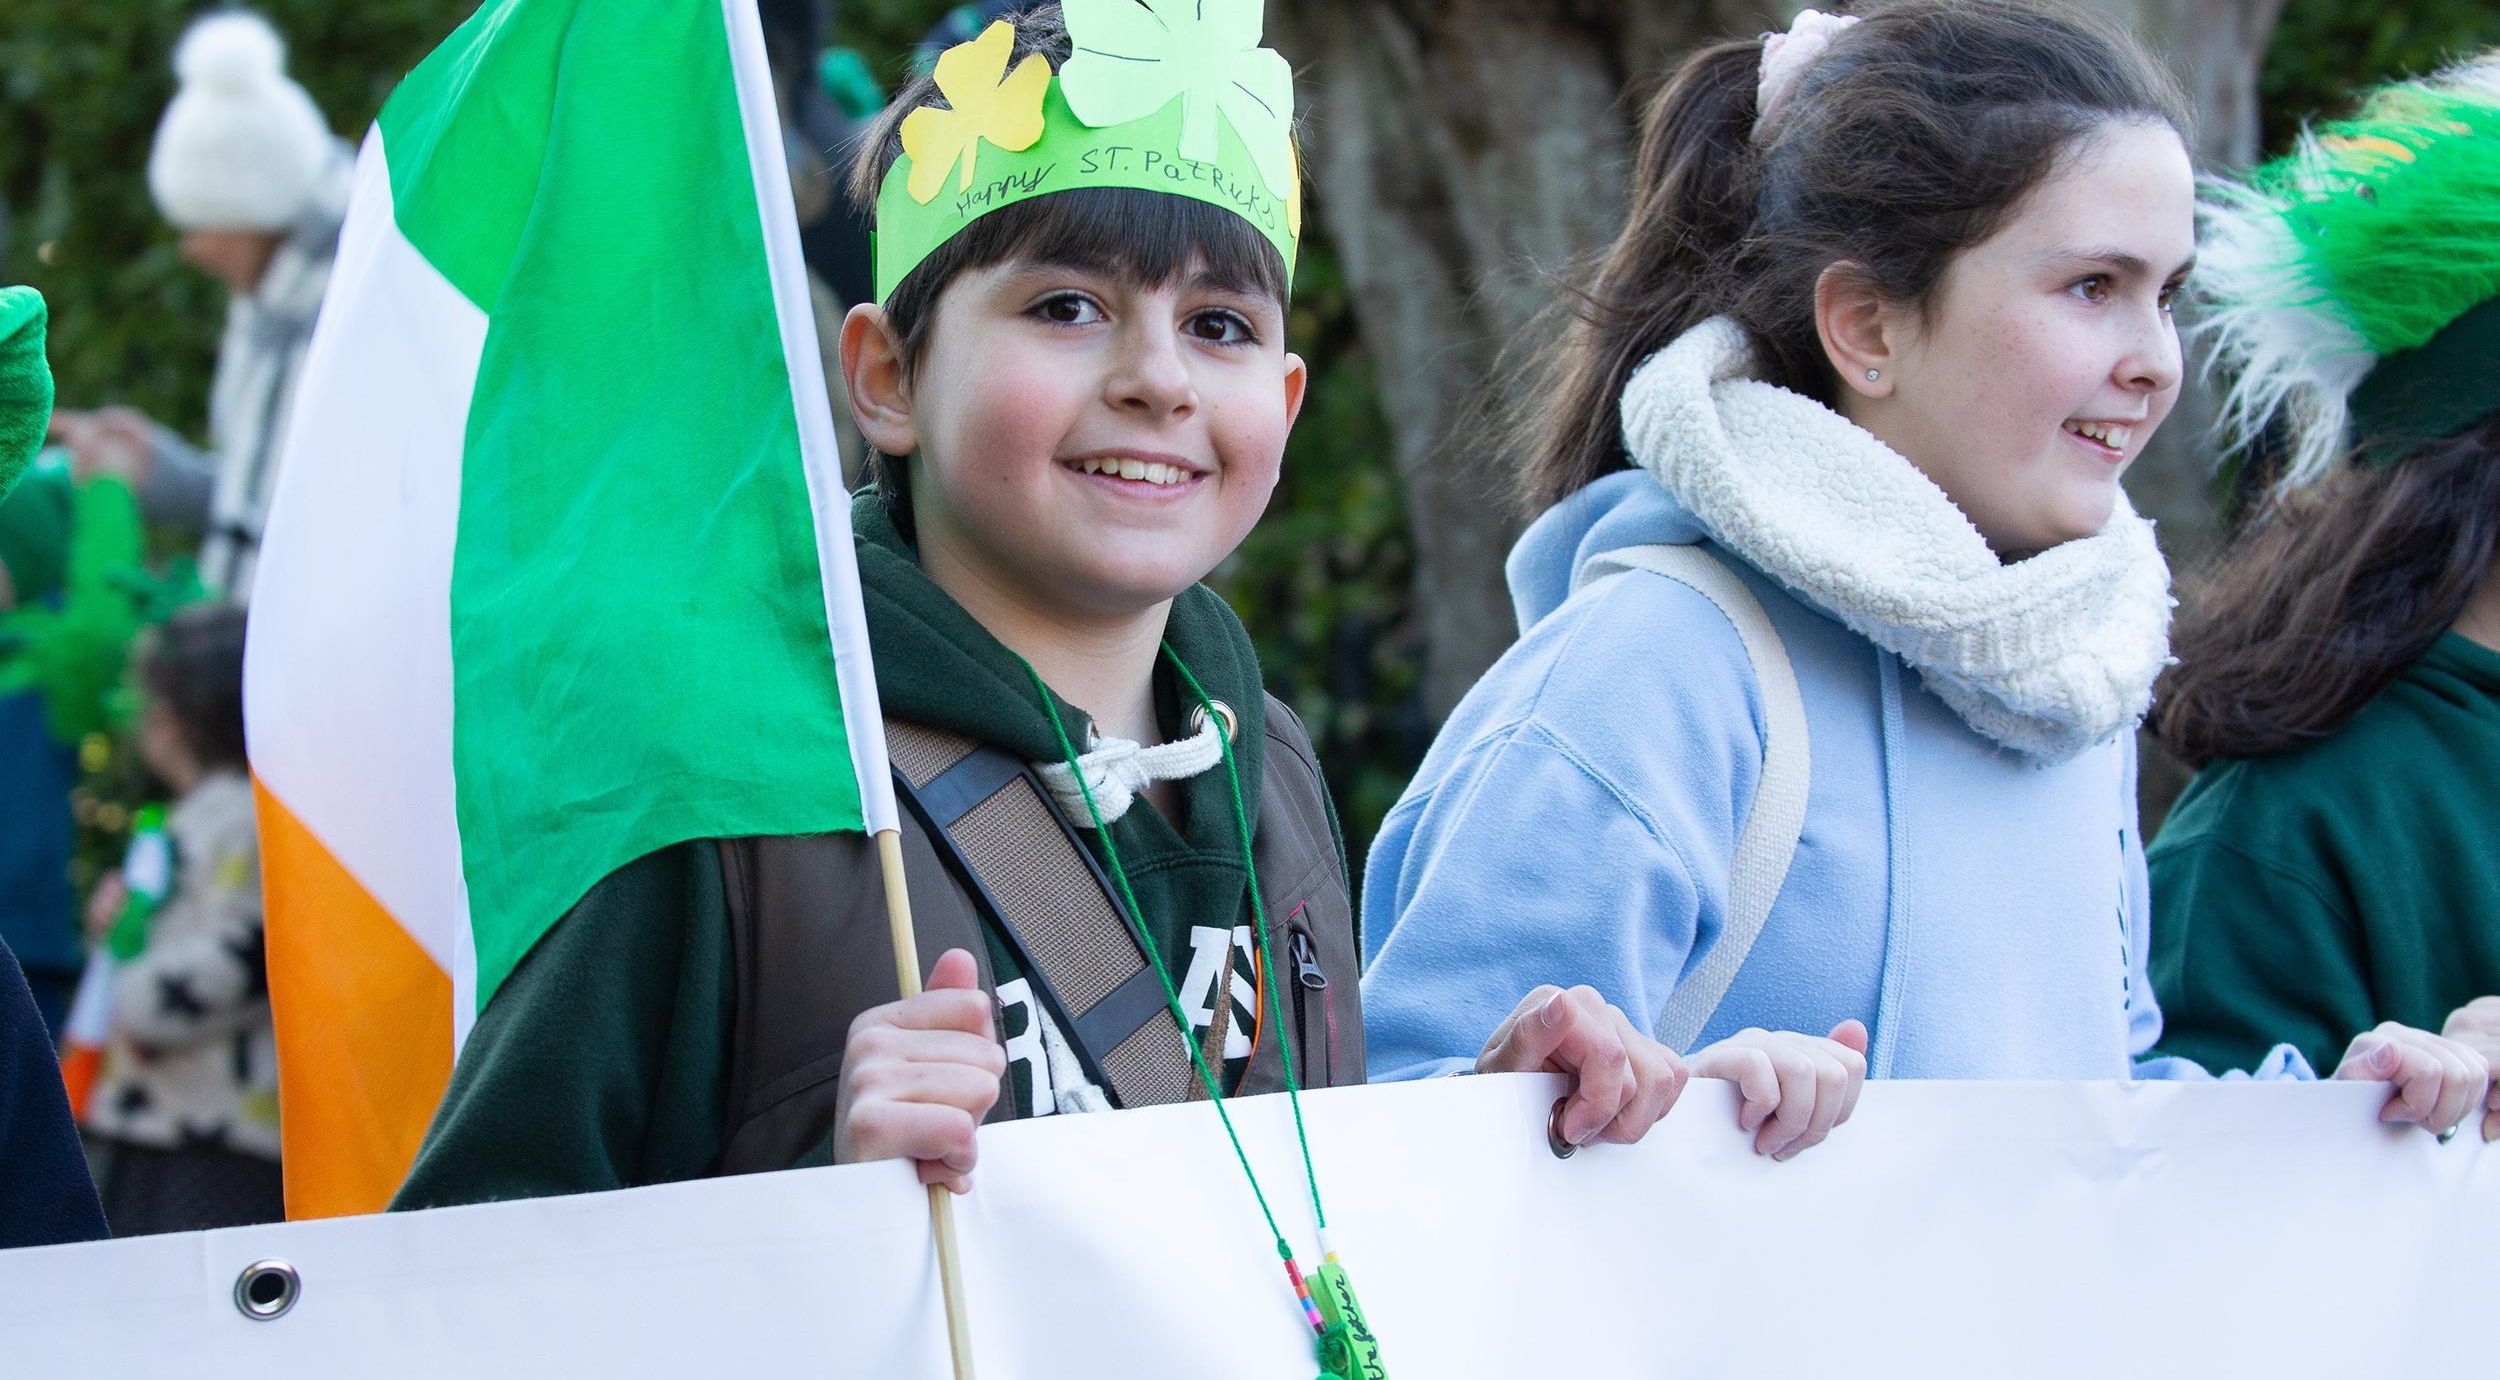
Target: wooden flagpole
(941,1200)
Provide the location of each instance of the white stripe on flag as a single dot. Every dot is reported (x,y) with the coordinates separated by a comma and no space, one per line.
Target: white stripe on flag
(348,684)
(819,454)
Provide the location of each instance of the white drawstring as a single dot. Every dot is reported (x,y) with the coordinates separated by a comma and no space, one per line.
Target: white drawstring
(1117,769)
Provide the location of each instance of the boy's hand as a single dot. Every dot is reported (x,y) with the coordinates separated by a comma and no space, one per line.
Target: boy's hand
(1796,1087)
(2437,1080)
(1621,1080)
(2477,1025)
(105,905)
(919,1074)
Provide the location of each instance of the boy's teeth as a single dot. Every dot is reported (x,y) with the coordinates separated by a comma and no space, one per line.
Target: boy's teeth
(1149,471)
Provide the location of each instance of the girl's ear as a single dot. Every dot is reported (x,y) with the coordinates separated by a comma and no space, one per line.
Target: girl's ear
(872,373)
(1860,332)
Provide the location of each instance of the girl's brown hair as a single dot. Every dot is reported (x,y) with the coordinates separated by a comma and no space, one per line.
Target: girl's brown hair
(193,665)
(2330,596)
(1911,139)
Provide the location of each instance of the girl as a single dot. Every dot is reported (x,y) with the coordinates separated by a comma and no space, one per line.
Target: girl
(2333,865)
(185,1112)
(1890,319)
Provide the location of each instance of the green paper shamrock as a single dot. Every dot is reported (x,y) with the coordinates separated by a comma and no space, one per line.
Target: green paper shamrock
(1134,57)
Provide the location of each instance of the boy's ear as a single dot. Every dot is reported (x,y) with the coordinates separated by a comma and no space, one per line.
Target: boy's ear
(1297,384)
(1860,331)
(872,373)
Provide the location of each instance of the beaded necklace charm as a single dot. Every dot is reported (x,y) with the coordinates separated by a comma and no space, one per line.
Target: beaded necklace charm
(1341,1337)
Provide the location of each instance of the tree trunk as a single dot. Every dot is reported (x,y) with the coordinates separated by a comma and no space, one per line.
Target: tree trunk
(1465,152)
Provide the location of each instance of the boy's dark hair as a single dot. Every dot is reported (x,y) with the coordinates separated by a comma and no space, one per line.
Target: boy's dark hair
(1914,137)
(193,665)
(2337,590)
(1152,237)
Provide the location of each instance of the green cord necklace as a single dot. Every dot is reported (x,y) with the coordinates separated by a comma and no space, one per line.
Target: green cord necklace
(1343,1338)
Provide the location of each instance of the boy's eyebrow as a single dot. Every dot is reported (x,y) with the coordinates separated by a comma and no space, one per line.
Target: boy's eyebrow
(2125,261)
(1206,278)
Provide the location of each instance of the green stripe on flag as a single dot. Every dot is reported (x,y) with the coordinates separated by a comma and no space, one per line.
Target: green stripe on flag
(639,646)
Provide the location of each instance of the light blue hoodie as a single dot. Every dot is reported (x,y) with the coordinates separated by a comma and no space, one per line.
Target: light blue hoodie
(1983,913)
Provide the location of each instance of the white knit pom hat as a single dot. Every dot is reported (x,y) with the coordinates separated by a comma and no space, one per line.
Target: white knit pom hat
(241,147)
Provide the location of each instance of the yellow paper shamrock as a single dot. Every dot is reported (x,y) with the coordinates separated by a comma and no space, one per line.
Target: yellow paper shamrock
(988,102)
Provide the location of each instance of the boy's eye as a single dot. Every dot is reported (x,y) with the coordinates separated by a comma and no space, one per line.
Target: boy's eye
(2170,294)
(1220,327)
(1068,309)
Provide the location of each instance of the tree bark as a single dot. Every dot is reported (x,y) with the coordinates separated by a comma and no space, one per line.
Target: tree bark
(1464,153)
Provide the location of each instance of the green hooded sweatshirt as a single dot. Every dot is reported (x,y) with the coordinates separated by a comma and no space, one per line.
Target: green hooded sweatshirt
(603,1061)
(2304,898)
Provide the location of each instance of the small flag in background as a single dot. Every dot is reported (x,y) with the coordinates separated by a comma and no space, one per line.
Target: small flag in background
(559,567)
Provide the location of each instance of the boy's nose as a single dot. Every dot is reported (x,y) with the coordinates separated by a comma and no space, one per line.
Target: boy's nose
(1149,375)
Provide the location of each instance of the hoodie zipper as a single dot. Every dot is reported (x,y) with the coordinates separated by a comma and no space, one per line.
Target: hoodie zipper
(1310,983)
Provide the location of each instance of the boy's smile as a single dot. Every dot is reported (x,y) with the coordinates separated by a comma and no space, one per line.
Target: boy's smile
(1087,444)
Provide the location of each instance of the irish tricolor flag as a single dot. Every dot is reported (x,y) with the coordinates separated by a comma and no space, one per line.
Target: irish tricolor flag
(559,570)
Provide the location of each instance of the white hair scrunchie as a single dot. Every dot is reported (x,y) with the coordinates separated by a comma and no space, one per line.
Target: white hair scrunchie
(1785,58)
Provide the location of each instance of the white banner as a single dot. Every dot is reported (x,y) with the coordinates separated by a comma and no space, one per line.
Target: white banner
(1952,1229)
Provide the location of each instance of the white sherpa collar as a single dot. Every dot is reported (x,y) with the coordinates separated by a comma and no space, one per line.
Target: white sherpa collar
(2049,655)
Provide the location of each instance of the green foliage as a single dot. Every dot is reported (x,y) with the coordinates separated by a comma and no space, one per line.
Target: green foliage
(2325,51)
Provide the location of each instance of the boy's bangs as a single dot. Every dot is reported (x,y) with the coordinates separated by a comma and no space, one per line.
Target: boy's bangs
(1148,237)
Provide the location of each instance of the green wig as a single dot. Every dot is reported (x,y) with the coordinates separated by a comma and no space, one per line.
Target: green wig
(2349,287)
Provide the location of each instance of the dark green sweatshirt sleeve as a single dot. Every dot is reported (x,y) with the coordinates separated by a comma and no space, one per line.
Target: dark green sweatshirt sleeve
(2249,954)
(602,1061)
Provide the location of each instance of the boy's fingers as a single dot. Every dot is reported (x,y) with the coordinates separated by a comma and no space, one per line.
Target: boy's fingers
(1851,1033)
(1757,1082)
(954,971)
(1831,1083)
(947,1008)
(932,1172)
(915,1131)
(2491,1122)
(964,1087)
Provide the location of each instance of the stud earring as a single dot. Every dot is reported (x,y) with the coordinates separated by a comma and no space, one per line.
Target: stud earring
(1874,374)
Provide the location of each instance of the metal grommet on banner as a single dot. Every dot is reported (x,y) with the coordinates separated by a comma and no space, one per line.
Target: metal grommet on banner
(1554,1141)
(266,1290)
(2451,1133)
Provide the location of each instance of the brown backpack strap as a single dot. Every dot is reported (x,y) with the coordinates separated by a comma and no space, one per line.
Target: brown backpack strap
(1033,878)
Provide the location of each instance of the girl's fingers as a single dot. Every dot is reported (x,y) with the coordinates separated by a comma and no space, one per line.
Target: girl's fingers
(1796,1109)
(1657,1080)
(1588,1048)
(1831,1085)
(1501,1054)
(1757,1082)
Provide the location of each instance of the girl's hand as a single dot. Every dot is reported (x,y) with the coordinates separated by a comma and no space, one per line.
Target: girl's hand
(2477,1026)
(2437,1080)
(919,1074)
(1796,1087)
(1621,1080)
(105,905)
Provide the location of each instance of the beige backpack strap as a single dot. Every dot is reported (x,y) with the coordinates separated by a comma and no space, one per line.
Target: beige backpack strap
(1768,842)
(1032,878)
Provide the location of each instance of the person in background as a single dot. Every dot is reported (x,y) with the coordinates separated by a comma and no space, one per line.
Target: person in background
(2336,861)
(246,168)
(46,1197)
(185,1112)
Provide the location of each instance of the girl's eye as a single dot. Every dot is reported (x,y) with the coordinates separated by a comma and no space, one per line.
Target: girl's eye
(2092,289)
(1220,327)
(2169,296)
(1068,309)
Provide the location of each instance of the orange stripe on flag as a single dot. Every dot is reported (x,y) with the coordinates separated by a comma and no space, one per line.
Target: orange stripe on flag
(364,1026)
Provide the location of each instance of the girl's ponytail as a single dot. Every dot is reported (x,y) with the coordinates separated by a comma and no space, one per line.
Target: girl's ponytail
(1692,207)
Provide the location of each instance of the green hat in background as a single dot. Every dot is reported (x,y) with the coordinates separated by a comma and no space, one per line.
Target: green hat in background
(35,525)
(25,382)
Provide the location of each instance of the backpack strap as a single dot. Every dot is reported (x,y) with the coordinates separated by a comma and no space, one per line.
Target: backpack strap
(1033,879)
(1768,842)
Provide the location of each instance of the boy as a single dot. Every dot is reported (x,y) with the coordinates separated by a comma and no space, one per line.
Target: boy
(1077,391)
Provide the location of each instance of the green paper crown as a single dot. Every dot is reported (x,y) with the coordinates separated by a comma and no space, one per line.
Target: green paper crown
(2360,249)
(1169,96)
